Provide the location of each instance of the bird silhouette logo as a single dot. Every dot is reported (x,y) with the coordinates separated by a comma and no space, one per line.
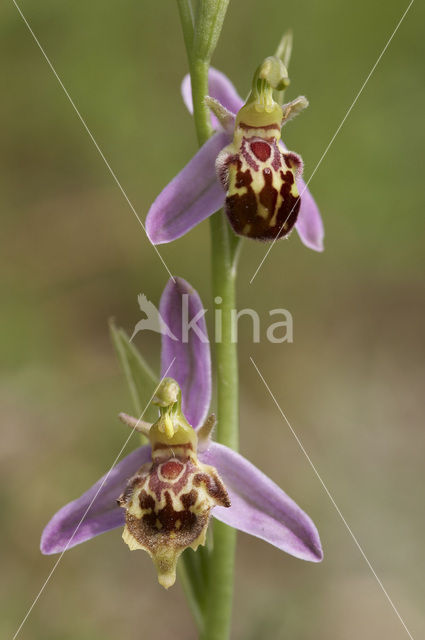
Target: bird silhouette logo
(153,320)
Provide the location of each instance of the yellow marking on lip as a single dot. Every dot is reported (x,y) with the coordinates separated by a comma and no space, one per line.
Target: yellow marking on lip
(130,540)
(273,219)
(262,211)
(294,190)
(134,506)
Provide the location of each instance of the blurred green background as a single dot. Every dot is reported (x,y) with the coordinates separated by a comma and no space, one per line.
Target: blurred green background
(73,255)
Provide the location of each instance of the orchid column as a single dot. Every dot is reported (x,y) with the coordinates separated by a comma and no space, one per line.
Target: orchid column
(200,44)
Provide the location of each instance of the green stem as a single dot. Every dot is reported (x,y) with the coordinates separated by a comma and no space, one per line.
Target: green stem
(201,114)
(222,558)
(221,561)
(224,252)
(186,19)
(224,280)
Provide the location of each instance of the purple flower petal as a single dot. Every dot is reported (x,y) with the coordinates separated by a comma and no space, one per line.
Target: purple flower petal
(309,224)
(193,195)
(180,305)
(220,88)
(97,507)
(260,508)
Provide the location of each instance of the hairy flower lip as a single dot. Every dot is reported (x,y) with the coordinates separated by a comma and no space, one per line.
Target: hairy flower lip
(259,506)
(195,193)
(168,502)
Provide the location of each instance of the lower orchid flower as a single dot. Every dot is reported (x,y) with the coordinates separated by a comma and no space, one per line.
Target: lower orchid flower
(244,167)
(164,493)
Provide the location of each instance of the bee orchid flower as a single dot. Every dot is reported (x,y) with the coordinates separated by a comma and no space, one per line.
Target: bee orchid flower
(163,493)
(244,166)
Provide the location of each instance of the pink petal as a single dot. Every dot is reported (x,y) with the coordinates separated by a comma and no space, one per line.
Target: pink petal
(193,195)
(190,353)
(96,511)
(309,224)
(259,507)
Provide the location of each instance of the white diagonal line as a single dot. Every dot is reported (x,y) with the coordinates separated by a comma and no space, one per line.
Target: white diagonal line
(83,122)
(55,566)
(332,500)
(336,132)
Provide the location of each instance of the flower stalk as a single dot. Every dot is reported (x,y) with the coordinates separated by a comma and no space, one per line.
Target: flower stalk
(222,558)
(163,493)
(220,564)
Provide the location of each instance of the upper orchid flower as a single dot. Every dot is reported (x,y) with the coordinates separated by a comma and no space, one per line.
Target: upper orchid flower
(243,166)
(163,493)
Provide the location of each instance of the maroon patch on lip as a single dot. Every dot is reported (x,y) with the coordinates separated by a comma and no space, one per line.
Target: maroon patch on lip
(214,487)
(277,157)
(268,194)
(293,161)
(288,210)
(287,179)
(158,481)
(261,150)
(171,469)
(245,153)
(241,209)
(157,524)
